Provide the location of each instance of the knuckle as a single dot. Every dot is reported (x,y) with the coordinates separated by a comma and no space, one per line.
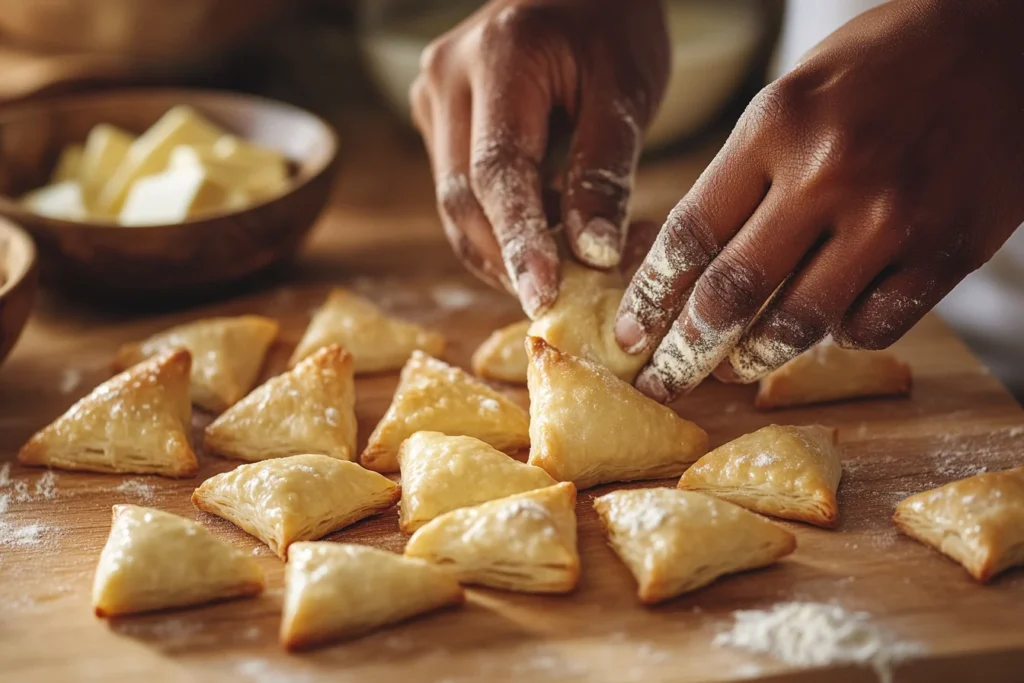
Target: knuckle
(688,231)
(434,59)
(454,198)
(734,283)
(518,24)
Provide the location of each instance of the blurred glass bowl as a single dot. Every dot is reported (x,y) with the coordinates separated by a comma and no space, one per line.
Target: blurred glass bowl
(713,45)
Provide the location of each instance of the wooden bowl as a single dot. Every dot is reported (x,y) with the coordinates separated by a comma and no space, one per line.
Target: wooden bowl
(18,281)
(103,258)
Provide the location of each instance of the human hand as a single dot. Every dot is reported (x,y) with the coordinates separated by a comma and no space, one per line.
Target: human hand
(858,189)
(483,101)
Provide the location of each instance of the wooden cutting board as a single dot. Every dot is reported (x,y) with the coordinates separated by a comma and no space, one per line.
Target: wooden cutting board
(958,422)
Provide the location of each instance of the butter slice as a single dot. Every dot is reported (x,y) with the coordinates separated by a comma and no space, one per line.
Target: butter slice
(105,148)
(173,196)
(243,181)
(150,153)
(68,163)
(60,200)
(268,167)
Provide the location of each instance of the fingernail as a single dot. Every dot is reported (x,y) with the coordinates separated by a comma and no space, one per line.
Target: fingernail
(630,334)
(599,244)
(650,384)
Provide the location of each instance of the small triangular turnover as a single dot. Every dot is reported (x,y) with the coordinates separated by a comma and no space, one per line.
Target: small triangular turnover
(502,356)
(443,473)
(434,396)
(678,541)
(335,591)
(155,560)
(377,341)
(590,427)
(227,355)
(782,471)
(309,409)
(136,422)
(298,498)
(525,542)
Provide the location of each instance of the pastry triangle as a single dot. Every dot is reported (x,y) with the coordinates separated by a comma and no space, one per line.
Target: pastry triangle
(136,422)
(582,320)
(154,560)
(978,521)
(298,498)
(502,356)
(227,355)
(678,541)
(376,341)
(782,471)
(525,542)
(434,396)
(590,427)
(309,409)
(338,590)
(443,473)
(828,372)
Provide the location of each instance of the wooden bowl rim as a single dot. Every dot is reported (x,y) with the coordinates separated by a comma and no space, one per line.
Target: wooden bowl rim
(23,265)
(13,208)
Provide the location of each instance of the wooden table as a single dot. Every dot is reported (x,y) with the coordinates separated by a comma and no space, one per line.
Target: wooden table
(382,237)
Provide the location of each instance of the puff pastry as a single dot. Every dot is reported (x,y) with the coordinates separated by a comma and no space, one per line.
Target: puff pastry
(978,521)
(434,396)
(581,322)
(443,473)
(309,409)
(376,341)
(782,471)
(676,541)
(589,427)
(299,498)
(828,372)
(154,560)
(502,356)
(227,354)
(525,542)
(136,422)
(337,590)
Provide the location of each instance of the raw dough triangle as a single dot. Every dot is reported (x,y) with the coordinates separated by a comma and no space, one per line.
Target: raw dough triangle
(443,473)
(154,560)
(526,542)
(337,590)
(299,498)
(376,341)
(136,422)
(309,409)
(978,521)
(782,471)
(582,321)
(677,541)
(227,355)
(434,396)
(828,372)
(502,356)
(589,427)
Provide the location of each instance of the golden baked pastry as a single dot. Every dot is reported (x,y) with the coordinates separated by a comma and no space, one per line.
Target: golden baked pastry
(338,590)
(376,341)
(298,498)
(677,541)
(227,354)
(782,471)
(828,372)
(309,409)
(502,356)
(525,543)
(434,396)
(154,560)
(978,521)
(443,473)
(590,427)
(136,422)
(582,320)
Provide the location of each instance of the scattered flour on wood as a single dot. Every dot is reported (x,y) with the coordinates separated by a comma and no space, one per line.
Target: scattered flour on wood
(137,488)
(808,634)
(452,297)
(19,491)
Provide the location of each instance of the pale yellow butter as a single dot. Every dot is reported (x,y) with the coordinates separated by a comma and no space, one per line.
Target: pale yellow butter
(68,163)
(61,200)
(173,196)
(105,148)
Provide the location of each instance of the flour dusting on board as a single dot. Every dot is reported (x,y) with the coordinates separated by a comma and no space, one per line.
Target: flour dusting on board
(137,488)
(19,491)
(808,634)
